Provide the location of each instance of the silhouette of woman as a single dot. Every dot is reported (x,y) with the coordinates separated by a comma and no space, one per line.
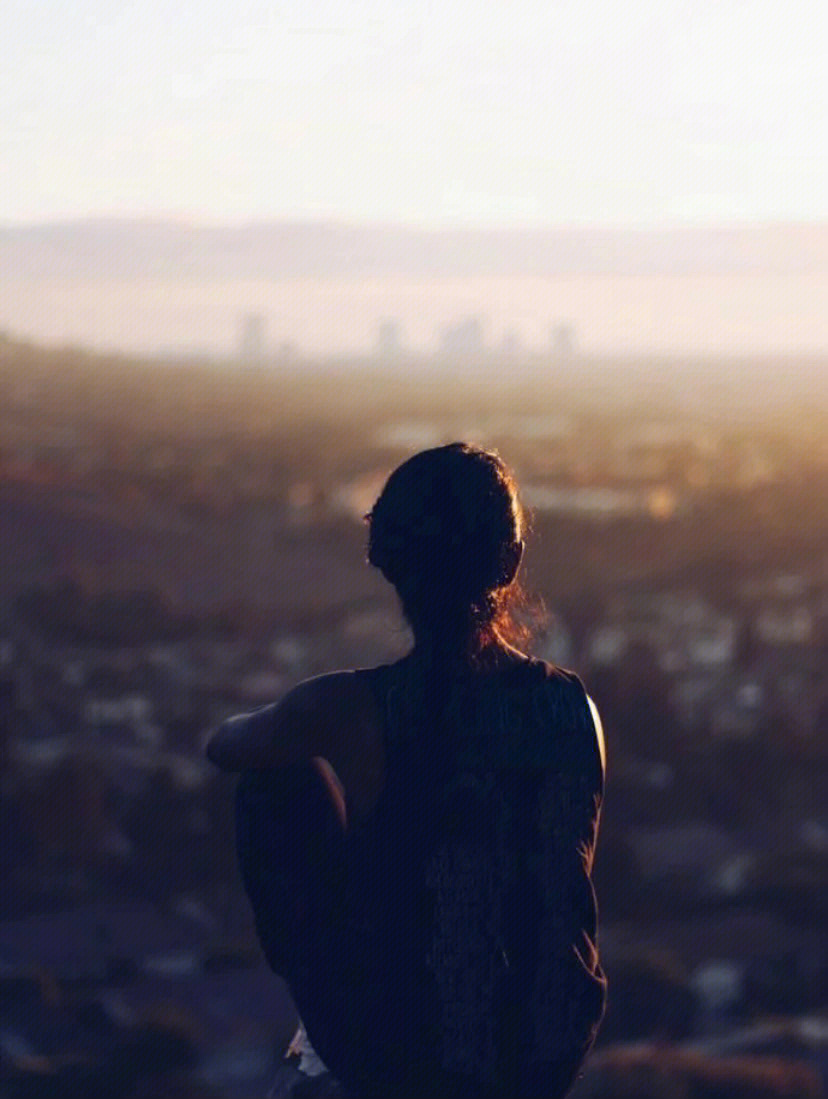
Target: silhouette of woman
(416,839)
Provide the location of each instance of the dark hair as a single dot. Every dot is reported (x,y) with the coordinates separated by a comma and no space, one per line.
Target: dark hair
(446,531)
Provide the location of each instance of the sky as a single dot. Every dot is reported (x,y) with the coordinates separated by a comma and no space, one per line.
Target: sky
(538,113)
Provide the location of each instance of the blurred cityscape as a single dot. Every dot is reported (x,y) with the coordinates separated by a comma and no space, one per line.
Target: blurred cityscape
(184,540)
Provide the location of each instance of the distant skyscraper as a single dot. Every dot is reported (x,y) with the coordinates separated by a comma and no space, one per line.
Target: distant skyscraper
(510,344)
(286,351)
(464,338)
(252,338)
(389,339)
(562,341)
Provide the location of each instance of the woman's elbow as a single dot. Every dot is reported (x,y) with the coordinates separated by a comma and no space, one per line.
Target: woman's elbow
(216,749)
(245,741)
(226,746)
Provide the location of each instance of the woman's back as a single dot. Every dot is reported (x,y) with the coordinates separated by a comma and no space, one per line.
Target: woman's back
(437,926)
(460,959)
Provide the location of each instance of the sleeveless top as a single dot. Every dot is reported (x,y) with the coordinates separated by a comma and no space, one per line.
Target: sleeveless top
(465,956)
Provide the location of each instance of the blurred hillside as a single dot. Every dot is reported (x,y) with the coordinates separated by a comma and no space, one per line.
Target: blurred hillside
(178,542)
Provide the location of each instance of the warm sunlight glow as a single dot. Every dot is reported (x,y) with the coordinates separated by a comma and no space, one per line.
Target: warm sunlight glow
(640,113)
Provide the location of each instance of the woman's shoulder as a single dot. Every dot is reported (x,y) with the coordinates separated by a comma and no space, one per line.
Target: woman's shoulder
(565,727)
(332,716)
(531,698)
(556,677)
(343,701)
(337,697)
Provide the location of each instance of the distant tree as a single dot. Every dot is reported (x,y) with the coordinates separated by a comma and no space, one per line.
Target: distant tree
(66,814)
(616,876)
(634,699)
(65,612)
(668,1072)
(649,998)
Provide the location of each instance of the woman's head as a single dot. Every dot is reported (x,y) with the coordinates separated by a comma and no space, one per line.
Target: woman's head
(447,532)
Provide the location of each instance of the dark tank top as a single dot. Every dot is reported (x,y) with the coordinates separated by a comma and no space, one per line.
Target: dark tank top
(467,944)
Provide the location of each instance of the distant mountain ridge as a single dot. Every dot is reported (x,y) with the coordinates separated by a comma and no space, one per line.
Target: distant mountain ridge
(122,249)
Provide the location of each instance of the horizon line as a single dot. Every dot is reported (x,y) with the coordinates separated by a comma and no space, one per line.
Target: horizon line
(193,221)
(369,356)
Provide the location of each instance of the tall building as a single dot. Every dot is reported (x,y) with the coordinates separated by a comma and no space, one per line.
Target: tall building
(464,338)
(562,341)
(252,338)
(510,345)
(389,339)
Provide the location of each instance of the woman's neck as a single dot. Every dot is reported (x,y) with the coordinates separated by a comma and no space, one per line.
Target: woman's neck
(494,654)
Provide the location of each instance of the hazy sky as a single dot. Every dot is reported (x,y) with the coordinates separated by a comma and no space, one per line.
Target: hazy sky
(541,112)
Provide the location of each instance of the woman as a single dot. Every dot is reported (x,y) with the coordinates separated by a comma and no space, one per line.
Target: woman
(417,838)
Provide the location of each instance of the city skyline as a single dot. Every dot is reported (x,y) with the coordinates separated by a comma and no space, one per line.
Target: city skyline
(147,286)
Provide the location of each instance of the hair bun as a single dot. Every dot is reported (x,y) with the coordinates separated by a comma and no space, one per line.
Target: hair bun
(443,531)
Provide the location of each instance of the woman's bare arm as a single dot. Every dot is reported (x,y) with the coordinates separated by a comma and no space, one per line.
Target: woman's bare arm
(332,718)
(311,720)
